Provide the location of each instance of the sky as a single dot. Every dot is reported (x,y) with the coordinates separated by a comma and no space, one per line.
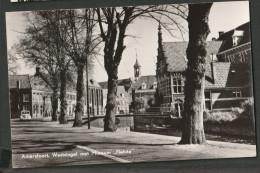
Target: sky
(224,16)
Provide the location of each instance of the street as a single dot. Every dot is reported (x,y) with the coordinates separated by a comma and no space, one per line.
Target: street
(38,144)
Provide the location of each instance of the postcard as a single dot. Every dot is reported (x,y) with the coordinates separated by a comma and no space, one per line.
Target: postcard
(131,84)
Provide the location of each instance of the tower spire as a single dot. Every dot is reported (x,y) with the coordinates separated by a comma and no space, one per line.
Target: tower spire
(137,68)
(160,45)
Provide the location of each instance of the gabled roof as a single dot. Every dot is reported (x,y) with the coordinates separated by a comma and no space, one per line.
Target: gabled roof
(227,37)
(176,53)
(148,80)
(24,81)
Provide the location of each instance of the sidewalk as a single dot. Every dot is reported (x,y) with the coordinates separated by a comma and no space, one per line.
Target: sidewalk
(49,137)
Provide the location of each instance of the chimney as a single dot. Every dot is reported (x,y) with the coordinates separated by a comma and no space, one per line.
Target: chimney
(220,33)
(18,84)
(37,71)
(214,39)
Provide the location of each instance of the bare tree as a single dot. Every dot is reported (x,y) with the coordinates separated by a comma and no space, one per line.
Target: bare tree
(80,46)
(41,46)
(13,65)
(193,130)
(113,23)
(58,28)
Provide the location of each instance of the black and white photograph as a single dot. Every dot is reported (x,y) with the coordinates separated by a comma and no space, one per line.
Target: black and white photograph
(130,84)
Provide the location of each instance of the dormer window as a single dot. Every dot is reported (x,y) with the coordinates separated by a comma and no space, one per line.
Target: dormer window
(237,37)
(143,86)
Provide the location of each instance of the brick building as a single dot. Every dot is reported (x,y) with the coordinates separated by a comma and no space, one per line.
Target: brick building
(143,86)
(33,94)
(123,95)
(128,89)
(20,94)
(228,61)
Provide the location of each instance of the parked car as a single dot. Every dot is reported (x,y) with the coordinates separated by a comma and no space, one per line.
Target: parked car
(25,115)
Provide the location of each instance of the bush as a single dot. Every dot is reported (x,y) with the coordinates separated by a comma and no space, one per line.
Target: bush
(243,115)
(248,107)
(237,110)
(220,117)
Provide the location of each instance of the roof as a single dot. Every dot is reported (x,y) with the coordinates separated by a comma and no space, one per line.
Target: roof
(227,37)
(120,82)
(220,75)
(226,74)
(127,83)
(24,81)
(176,53)
(148,80)
(39,84)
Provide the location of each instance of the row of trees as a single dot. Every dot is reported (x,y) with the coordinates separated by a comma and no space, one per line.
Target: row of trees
(61,41)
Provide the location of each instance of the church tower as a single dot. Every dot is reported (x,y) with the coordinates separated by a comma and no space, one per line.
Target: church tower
(160,44)
(137,69)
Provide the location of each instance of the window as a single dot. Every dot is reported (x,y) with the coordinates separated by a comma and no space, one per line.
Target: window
(35,109)
(237,93)
(143,86)
(26,107)
(207,105)
(177,85)
(41,109)
(207,95)
(26,98)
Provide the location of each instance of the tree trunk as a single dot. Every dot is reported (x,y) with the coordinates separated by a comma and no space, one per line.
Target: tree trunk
(63,98)
(109,121)
(54,105)
(193,130)
(79,112)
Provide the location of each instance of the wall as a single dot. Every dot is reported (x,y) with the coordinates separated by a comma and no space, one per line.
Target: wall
(125,122)
(229,129)
(173,127)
